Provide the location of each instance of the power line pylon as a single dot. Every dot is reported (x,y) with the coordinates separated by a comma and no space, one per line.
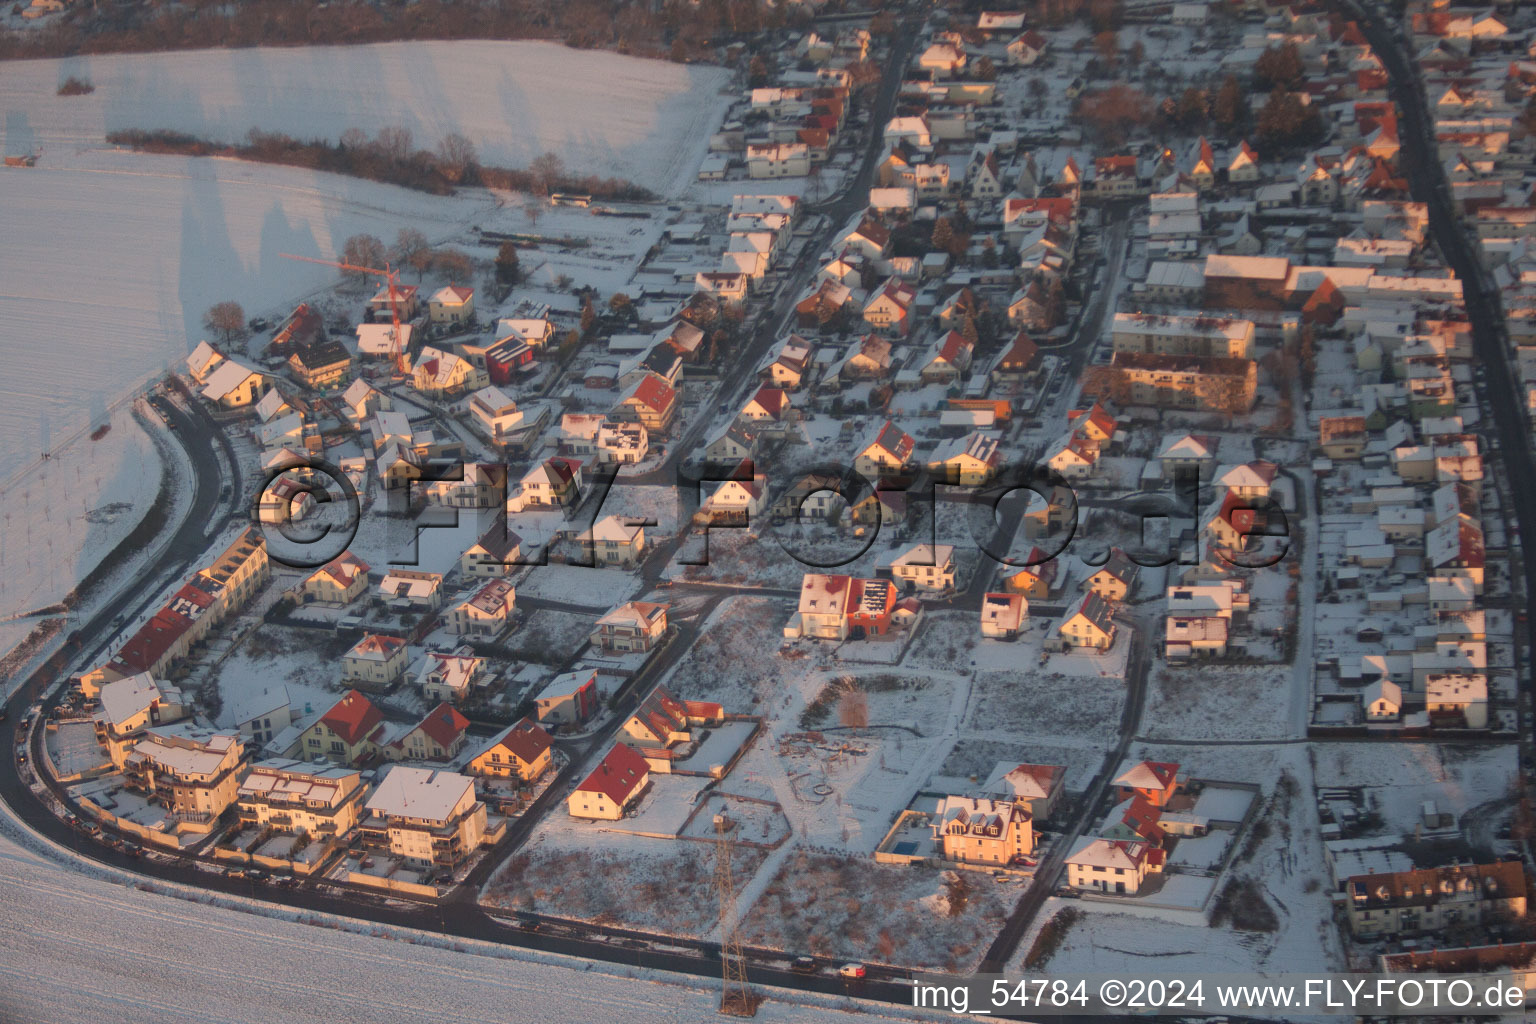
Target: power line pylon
(736,997)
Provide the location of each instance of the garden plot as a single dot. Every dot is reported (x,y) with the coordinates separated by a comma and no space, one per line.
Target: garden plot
(548,637)
(660,885)
(944,641)
(1227,702)
(1045,705)
(598,589)
(736,659)
(1397,778)
(919,917)
(977,757)
(305,661)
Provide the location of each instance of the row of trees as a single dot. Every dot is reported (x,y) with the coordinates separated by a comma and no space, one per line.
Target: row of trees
(676,28)
(392,157)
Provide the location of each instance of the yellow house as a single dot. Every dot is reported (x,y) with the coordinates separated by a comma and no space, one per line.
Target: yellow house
(375,660)
(1092,625)
(1112,865)
(614,786)
(616,542)
(980,830)
(1116,579)
(969,461)
(522,750)
(451,305)
(340,581)
(349,732)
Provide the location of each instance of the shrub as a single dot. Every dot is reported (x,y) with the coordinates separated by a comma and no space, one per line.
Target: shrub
(73,86)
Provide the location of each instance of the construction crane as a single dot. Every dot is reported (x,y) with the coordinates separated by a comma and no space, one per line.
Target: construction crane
(392,279)
(736,997)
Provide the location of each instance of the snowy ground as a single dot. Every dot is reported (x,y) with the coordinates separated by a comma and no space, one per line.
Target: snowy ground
(914,916)
(139,247)
(189,961)
(645,120)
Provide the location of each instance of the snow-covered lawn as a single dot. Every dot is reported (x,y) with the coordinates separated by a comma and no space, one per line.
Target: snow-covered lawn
(601,113)
(854,908)
(655,884)
(1227,702)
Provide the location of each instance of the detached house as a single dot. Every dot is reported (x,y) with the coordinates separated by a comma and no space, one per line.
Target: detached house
(616,542)
(969,461)
(522,750)
(569,698)
(553,483)
(888,455)
(487,613)
(889,308)
(349,732)
(452,305)
(1116,580)
(632,626)
(1113,865)
(1154,781)
(338,582)
(375,660)
(1003,616)
(652,402)
(614,786)
(495,554)
(949,359)
(981,830)
(926,567)
(1039,787)
(449,677)
(438,737)
(1092,625)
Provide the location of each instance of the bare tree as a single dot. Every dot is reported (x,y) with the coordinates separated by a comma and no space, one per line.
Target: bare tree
(457,157)
(227,318)
(454,264)
(410,244)
(362,251)
(395,142)
(533,210)
(547,170)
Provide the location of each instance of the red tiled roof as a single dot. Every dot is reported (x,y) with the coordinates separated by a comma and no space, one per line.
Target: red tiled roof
(654,392)
(353,717)
(619,775)
(444,725)
(527,741)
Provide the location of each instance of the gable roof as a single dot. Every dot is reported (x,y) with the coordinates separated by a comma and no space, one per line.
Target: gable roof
(444,725)
(525,740)
(1149,775)
(618,776)
(353,718)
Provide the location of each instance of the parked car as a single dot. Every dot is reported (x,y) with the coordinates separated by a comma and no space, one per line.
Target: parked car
(852,970)
(803,965)
(133,850)
(92,829)
(1066,892)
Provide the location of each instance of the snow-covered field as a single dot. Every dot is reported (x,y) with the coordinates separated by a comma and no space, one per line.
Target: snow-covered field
(645,120)
(79,949)
(113,258)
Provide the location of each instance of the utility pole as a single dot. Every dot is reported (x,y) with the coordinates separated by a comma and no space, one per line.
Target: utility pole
(736,997)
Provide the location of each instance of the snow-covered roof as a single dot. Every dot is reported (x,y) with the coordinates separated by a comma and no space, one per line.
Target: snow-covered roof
(407,792)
